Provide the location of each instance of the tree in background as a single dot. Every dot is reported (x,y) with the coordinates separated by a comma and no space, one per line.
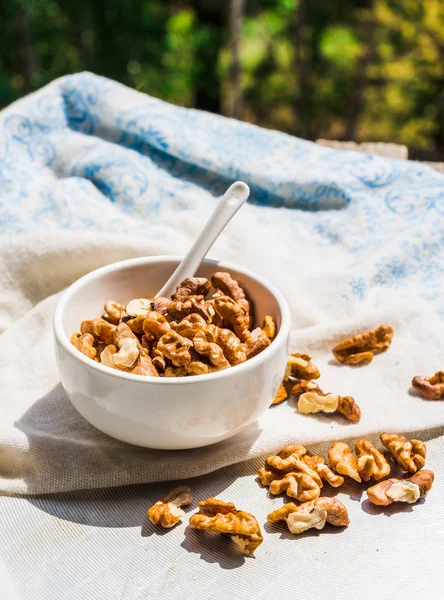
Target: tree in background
(343,69)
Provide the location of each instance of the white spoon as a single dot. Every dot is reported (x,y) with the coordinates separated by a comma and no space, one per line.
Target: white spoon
(226,208)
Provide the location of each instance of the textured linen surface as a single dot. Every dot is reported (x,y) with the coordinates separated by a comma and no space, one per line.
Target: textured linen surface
(99,544)
(92,172)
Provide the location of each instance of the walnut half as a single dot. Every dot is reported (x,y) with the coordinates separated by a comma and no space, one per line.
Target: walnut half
(223,517)
(367,462)
(313,400)
(431,388)
(401,490)
(166,512)
(361,348)
(311,514)
(410,456)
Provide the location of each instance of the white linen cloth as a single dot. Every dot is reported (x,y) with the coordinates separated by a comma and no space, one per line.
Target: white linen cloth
(92,172)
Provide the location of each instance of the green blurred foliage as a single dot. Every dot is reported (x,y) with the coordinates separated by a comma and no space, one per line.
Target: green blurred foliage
(343,69)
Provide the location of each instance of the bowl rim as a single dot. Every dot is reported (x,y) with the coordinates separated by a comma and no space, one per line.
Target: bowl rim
(64,341)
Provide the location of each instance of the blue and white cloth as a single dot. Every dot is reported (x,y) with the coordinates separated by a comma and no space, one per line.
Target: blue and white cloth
(92,172)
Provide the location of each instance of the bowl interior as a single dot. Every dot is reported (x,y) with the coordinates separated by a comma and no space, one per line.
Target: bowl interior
(142,279)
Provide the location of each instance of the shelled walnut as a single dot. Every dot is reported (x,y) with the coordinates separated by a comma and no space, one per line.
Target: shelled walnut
(431,388)
(167,511)
(301,370)
(200,330)
(367,462)
(223,517)
(401,490)
(315,513)
(410,455)
(361,348)
(297,473)
(311,399)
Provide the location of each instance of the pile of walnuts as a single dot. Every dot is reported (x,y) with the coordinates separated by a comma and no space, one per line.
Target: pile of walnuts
(301,476)
(205,327)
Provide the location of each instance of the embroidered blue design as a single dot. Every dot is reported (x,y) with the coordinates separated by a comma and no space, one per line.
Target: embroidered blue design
(69,159)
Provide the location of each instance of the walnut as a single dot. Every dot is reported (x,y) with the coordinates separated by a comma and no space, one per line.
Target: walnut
(315,513)
(313,400)
(106,356)
(269,327)
(128,352)
(166,512)
(281,395)
(233,316)
(158,360)
(139,307)
(368,461)
(361,348)
(301,387)
(84,343)
(301,366)
(343,461)
(287,459)
(113,312)
(371,463)
(317,463)
(175,372)
(297,473)
(212,351)
(176,348)
(101,330)
(145,366)
(146,344)
(401,490)
(194,304)
(135,323)
(231,345)
(255,343)
(197,367)
(348,408)
(189,326)
(296,485)
(223,517)
(161,304)
(192,286)
(431,388)
(155,325)
(121,332)
(230,287)
(409,455)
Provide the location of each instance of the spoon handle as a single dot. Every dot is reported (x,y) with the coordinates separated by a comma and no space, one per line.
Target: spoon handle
(226,208)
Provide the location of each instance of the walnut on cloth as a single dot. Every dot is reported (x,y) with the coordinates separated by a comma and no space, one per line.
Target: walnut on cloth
(431,388)
(361,348)
(410,455)
(200,330)
(297,473)
(302,368)
(401,490)
(311,399)
(167,511)
(315,513)
(223,517)
(366,463)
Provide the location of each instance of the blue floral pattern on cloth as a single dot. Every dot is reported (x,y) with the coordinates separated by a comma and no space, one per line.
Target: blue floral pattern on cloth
(86,153)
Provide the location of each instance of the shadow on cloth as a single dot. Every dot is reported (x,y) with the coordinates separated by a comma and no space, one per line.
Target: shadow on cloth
(66,453)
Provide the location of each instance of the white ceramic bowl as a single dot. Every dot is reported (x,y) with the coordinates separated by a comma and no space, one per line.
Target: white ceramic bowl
(158,412)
